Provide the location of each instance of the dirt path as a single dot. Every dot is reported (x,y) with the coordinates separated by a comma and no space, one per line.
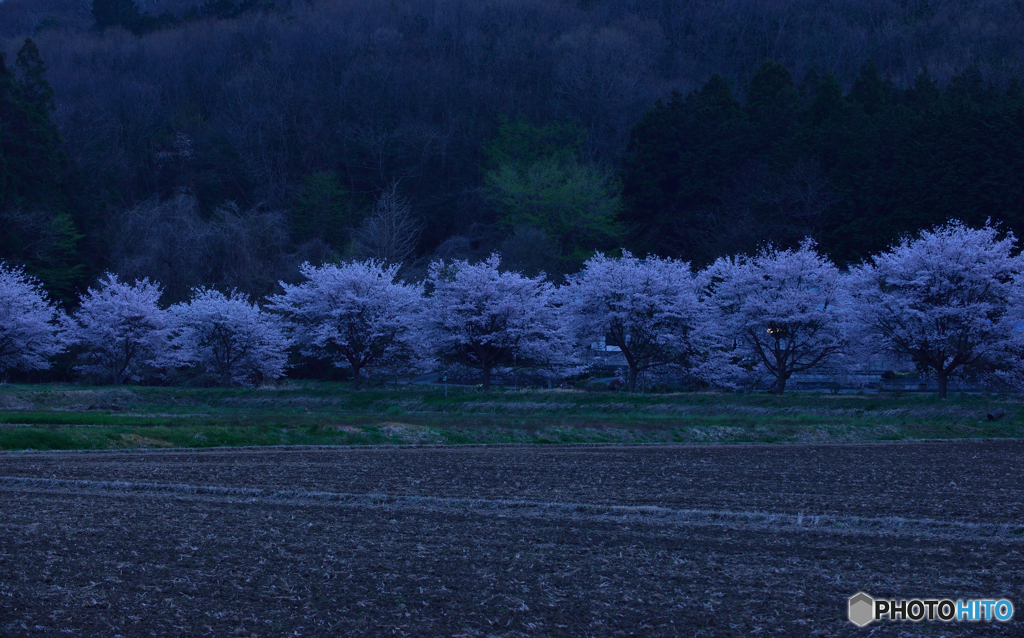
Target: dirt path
(508,541)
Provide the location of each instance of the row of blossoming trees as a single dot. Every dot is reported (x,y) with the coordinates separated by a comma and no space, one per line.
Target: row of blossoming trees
(949,300)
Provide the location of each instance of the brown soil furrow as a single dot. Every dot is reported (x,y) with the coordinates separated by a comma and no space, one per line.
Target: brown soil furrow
(676,540)
(891,525)
(970,482)
(84,563)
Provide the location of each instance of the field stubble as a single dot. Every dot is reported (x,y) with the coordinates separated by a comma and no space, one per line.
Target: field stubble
(505,540)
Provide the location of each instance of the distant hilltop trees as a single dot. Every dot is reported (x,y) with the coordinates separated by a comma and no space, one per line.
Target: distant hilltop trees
(223,143)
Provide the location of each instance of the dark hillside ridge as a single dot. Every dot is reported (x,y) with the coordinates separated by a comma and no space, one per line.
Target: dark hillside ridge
(277,126)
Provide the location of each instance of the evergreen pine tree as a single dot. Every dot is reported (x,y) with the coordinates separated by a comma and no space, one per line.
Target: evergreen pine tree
(110,13)
(7,110)
(870,90)
(34,87)
(323,210)
(36,228)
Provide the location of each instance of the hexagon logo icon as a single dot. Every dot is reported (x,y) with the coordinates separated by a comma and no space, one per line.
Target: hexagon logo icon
(862,609)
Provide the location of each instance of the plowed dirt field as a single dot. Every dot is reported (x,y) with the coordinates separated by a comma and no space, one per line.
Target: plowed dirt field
(666,540)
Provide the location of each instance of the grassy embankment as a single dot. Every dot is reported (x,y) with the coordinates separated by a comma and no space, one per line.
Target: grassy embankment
(306,413)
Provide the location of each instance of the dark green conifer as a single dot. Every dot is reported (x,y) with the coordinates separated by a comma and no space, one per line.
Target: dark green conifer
(111,13)
(36,228)
(34,87)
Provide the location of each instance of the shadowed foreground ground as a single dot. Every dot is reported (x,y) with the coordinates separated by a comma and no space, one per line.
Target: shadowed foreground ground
(505,541)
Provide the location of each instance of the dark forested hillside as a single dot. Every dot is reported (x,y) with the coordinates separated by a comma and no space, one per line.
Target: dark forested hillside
(707,175)
(226,141)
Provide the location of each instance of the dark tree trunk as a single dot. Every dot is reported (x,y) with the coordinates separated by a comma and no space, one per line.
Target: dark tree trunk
(780,386)
(486,368)
(780,383)
(357,377)
(943,384)
(121,375)
(119,378)
(632,379)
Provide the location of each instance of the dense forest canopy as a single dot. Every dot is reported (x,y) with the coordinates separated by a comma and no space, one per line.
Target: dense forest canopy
(706,175)
(224,142)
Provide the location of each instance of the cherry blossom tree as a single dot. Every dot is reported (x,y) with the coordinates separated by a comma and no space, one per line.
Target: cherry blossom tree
(119,329)
(1007,370)
(483,318)
(356,314)
(941,299)
(229,336)
(783,309)
(30,324)
(649,308)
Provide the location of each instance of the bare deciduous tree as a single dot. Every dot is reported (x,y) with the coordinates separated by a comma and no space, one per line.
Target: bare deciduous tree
(166,241)
(173,243)
(390,233)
